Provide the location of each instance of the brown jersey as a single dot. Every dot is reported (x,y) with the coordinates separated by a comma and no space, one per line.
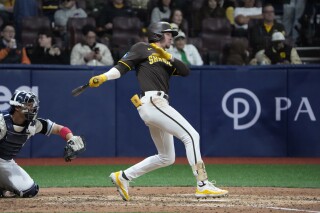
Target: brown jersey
(153,72)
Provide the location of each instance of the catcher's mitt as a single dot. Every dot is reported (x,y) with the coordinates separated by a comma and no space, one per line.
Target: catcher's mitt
(74,147)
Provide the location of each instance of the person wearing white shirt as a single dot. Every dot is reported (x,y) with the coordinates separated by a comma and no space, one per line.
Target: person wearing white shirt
(90,52)
(187,53)
(242,16)
(161,12)
(68,10)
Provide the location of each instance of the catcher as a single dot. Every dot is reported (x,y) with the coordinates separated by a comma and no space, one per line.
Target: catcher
(16,127)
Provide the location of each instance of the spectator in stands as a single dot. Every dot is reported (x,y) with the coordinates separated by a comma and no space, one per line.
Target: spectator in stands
(176,17)
(187,53)
(242,16)
(6,10)
(209,9)
(260,33)
(89,51)
(228,6)
(141,9)
(68,10)
(186,7)
(278,53)
(227,3)
(47,52)
(22,9)
(235,53)
(162,12)
(113,9)
(49,7)
(11,52)
(292,12)
(143,34)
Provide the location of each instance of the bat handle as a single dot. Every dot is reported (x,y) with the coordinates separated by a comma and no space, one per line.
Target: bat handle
(95,80)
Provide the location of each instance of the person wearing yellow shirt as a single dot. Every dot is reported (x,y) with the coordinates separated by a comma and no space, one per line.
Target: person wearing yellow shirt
(260,34)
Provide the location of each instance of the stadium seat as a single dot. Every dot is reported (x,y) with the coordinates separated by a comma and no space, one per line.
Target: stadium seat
(74,27)
(124,34)
(31,27)
(215,34)
(194,26)
(197,42)
(1,22)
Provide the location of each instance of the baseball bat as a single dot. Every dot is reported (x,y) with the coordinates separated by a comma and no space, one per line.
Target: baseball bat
(77,91)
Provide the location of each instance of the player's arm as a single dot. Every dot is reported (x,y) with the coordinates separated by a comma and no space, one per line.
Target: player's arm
(112,74)
(75,144)
(180,67)
(47,127)
(63,131)
(124,65)
(3,126)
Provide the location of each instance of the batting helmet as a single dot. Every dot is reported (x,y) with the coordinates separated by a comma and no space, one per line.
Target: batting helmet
(27,101)
(156,30)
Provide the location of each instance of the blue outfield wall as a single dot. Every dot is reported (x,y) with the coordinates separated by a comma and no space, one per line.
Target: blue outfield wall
(268,111)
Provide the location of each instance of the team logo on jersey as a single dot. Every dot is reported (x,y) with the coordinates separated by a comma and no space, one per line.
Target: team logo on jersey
(125,55)
(153,59)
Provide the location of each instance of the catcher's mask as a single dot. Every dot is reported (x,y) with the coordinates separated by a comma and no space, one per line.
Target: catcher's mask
(28,102)
(156,30)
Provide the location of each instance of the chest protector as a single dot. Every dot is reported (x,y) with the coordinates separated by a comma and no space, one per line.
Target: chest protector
(13,141)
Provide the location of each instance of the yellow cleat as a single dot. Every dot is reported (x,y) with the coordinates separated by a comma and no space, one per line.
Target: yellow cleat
(121,184)
(209,190)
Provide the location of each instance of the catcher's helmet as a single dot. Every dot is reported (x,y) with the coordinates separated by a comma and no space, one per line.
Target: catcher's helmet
(156,30)
(27,101)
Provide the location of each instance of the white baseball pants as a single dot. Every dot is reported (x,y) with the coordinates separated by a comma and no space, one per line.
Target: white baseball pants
(164,122)
(13,178)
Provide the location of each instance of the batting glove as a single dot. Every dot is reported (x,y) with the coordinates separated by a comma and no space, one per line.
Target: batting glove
(96,81)
(160,52)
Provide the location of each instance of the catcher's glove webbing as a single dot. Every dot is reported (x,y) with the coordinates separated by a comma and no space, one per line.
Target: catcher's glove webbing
(74,147)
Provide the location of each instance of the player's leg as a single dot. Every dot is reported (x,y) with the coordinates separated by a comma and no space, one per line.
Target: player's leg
(14,180)
(168,119)
(166,156)
(165,117)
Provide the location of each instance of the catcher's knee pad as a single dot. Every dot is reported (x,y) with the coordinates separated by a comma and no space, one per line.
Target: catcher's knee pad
(31,192)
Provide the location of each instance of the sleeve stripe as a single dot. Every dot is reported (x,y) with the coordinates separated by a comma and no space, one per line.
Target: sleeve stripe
(125,64)
(174,71)
(50,129)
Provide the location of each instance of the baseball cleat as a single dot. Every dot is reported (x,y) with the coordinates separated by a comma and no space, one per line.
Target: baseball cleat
(121,184)
(7,194)
(209,190)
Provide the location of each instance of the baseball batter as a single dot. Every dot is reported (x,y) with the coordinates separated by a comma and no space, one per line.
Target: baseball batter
(154,68)
(16,127)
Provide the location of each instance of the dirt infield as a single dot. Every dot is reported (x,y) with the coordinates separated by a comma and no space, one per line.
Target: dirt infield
(166,199)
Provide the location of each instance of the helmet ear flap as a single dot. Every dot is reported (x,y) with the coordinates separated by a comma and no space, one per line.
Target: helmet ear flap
(159,36)
(156,37)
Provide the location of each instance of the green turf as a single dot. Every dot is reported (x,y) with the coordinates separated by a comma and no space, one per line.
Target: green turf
(297,176)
